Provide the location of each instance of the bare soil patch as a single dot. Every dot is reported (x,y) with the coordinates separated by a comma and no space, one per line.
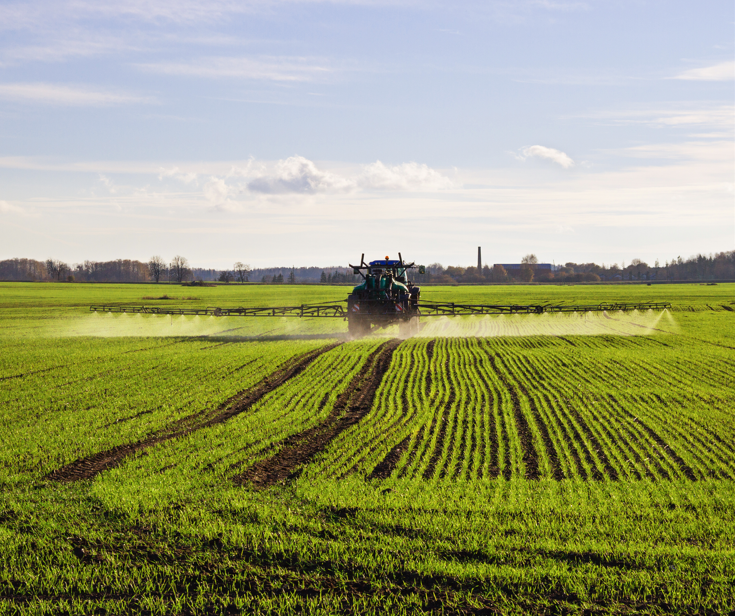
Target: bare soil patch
(388,464)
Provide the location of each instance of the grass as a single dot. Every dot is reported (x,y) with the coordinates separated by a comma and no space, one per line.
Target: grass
(528,467)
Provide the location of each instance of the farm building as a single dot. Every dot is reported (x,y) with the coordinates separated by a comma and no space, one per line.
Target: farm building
(539,267)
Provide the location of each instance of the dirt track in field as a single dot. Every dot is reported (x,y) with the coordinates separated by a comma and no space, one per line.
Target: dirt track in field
(350,407)
(89,467)
(388,465)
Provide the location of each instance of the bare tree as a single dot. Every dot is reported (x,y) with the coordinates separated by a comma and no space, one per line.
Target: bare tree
(241,271)
(156,267)
(530,259)
(56,269)
(225,276)
(180,268)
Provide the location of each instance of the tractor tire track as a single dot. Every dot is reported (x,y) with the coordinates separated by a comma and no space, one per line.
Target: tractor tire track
(350,407)
(398,425)
(91,466)
(387,466)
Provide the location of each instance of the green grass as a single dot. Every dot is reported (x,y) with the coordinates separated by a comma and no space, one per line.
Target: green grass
(549,464)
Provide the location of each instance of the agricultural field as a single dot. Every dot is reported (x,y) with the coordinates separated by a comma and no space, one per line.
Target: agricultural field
(488,465)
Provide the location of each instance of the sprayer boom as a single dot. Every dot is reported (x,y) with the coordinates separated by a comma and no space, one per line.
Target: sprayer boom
(423,309)
(385,297)
(305,310)
(432,309)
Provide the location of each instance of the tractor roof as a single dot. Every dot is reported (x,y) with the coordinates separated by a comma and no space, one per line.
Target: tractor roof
(385,263)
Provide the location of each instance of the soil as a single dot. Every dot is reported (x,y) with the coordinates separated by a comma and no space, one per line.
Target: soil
(350,407)
(89,467)
(387,466)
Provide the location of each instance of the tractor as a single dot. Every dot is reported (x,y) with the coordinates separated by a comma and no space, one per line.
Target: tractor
(385,296)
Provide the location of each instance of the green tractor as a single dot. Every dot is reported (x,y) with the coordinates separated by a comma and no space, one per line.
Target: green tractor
(385,296)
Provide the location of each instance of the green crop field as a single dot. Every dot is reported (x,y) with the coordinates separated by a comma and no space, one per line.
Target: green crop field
(489,465)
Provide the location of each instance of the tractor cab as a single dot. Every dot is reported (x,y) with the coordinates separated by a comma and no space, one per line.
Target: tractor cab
(385,296)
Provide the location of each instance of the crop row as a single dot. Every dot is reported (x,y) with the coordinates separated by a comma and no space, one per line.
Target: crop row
(218,453)
(586,407)
(102,398)
(543,408)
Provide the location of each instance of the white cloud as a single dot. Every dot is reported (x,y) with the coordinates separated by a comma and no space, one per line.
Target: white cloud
(108,184)
(175,173)
(408,176)
(217,192)
(560,6)
(53,94)
(724,71)
(57,50)
(9,208)
(540,151)
(31,15)
(716,116)
(299,175)
(263,68)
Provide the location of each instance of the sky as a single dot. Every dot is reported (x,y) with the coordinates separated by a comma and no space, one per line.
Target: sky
(308,132)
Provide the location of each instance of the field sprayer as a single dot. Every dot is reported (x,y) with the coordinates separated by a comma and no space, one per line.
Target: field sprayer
(385,297)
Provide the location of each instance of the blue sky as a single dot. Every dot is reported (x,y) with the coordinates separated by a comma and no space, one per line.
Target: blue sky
(307,132)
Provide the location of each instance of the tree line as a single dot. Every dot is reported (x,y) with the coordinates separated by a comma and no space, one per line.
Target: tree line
(119,270)
(719,266)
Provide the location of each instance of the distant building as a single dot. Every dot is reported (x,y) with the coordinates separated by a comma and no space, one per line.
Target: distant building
(539,267)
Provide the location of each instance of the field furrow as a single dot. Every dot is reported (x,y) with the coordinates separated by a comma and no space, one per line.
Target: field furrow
(542,421)
(521,431)
(88,467)
(491,426)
